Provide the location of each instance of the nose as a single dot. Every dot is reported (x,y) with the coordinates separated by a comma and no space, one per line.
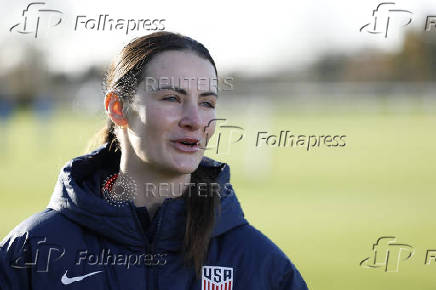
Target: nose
(190,117)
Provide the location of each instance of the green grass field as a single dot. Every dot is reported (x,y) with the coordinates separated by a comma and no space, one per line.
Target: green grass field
(324,207)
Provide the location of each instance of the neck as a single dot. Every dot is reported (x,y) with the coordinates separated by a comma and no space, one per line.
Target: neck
(153,185)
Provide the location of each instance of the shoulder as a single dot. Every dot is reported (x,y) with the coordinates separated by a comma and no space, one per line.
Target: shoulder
(253,242)
(33,244)
(42,225)
(260,254)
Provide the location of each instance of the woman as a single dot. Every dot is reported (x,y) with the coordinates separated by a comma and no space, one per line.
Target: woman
(146,209)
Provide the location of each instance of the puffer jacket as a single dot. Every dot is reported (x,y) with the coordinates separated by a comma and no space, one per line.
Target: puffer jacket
(82,241)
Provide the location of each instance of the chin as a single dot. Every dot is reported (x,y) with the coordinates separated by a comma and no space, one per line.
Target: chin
(186,165)
(186,169)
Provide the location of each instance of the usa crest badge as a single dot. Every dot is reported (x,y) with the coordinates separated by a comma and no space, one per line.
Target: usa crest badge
(216,278)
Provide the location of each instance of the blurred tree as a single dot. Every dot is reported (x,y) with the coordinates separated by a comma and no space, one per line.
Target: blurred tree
(415,62)
(412,62)
(28,77)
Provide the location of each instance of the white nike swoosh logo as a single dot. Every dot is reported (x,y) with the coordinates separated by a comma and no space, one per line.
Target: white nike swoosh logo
(65,280)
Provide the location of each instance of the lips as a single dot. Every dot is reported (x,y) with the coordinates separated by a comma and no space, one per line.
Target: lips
(187,141)
(187,144)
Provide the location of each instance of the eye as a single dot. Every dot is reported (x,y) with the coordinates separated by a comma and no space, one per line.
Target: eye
(208,104)
(171,98)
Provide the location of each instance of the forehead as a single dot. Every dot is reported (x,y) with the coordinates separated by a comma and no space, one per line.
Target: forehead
(179,64)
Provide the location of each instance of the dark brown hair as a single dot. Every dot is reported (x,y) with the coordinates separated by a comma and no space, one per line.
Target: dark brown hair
(123,77)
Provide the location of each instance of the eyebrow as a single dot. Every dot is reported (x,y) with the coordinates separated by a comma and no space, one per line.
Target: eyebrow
(183,91)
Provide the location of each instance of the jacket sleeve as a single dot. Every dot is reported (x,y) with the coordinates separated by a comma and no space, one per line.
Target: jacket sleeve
(14,273)
(292,280)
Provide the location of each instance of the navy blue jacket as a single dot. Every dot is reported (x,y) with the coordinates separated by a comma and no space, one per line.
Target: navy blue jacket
(81,241)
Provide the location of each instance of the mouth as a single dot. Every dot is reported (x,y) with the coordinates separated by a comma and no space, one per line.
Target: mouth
(187,145)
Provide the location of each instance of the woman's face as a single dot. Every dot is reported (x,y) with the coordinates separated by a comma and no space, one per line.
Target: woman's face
(174,105)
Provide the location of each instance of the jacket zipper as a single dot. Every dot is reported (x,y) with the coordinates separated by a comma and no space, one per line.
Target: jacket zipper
(139,226)
(154,270)
(151,278)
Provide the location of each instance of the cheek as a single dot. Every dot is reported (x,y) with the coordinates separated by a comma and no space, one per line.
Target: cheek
(159,122)
(209,124)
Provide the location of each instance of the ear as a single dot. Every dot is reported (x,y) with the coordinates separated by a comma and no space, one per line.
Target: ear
(114,108)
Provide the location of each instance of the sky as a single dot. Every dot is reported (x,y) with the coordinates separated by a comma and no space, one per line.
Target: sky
(254,37)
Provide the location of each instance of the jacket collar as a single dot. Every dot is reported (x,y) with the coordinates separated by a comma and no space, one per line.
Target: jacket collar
(77,196)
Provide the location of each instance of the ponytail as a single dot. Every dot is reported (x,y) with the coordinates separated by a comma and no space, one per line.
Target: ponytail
(201,208)
(104,135)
